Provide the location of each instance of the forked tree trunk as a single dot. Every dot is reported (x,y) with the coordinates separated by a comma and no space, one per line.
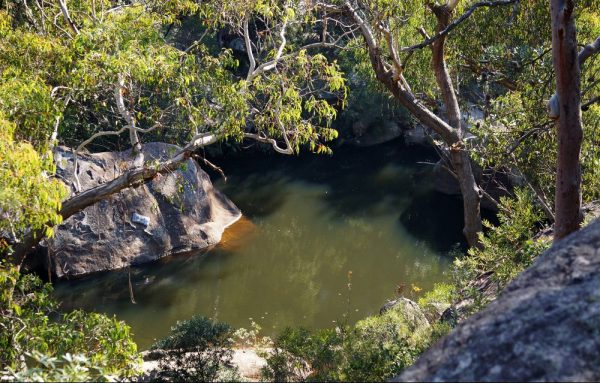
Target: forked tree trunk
(569,128)
(452,135)
(459,156)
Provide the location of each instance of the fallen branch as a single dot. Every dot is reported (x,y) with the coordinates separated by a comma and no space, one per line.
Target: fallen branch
(131,178)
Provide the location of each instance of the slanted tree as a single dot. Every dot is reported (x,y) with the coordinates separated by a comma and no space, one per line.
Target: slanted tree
(383,25)
(386,26)
(104,69)
(377,28)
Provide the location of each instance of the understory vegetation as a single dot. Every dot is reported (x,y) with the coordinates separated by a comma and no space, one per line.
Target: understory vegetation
(378,348)
(478,78)
(40,343)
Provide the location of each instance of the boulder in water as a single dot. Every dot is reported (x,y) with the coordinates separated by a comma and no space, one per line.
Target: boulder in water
(174,213)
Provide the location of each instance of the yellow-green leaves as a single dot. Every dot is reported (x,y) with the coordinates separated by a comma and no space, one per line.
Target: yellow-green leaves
(29,197)
(27,102)
(303,95)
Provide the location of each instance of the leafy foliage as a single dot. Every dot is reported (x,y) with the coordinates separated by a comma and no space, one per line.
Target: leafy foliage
(197,349)
(69,79)
(511,246)
(507,250)
(198,331)
(375,349)
(514,78)
(29,198)
(36,339)
(67,368)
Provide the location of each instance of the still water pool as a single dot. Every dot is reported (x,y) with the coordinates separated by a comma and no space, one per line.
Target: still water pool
(323,239)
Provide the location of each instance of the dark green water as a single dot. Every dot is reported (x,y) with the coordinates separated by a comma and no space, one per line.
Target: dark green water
(324,239)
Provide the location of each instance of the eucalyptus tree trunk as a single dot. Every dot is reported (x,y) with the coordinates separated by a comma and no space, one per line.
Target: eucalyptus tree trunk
(452,132)
(569,128)
(459,156)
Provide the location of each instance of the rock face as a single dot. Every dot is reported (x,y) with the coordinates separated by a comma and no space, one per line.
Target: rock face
(173,213)
(545,326)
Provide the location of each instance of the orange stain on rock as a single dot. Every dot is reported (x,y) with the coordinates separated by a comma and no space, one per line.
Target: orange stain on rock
(238,234)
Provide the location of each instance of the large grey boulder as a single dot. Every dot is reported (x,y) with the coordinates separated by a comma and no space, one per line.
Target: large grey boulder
(545,326)
(174,213)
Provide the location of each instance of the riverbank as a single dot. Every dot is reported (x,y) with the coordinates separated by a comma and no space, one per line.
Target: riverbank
(313,224)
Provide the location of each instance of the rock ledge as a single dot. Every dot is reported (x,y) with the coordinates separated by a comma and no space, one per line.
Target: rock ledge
(545,326)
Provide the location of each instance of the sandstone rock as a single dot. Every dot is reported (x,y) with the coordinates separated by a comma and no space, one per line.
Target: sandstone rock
(173,213)
(409,309)
(544,326)
(247,361)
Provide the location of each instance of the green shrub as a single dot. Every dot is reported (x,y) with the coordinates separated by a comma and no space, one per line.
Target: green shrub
(35,337)
(510,247)
(197,349)
(507,250)
(375,349)
(198,331)
(298,352)
(67,368)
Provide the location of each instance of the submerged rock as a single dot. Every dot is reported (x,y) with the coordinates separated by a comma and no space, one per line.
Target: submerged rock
(174,213)
(544,326)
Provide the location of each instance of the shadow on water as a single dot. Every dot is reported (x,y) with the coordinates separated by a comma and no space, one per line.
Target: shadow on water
(359,181)
(324,239)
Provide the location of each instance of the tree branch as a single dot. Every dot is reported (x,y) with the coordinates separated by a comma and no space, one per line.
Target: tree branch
(585,53)
(364,27)
(128,179)
(65,11)
(120,88)
(268,65)
(591,102)
(588,51)
(457,22)
(249,51)
(271,142)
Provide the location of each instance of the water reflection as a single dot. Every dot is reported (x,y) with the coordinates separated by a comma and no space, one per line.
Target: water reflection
(309,222)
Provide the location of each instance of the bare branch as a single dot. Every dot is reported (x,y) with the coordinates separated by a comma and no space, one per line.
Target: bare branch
(249,51)
(43,13)
(591,102)
(364,27)
(271,64)
(197,42)
(29,15)
(65,12)
(270,141)
(588,51)
(393,53)
(136,146)
(585,53)
(212,166)
(113,133)
(457,22)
